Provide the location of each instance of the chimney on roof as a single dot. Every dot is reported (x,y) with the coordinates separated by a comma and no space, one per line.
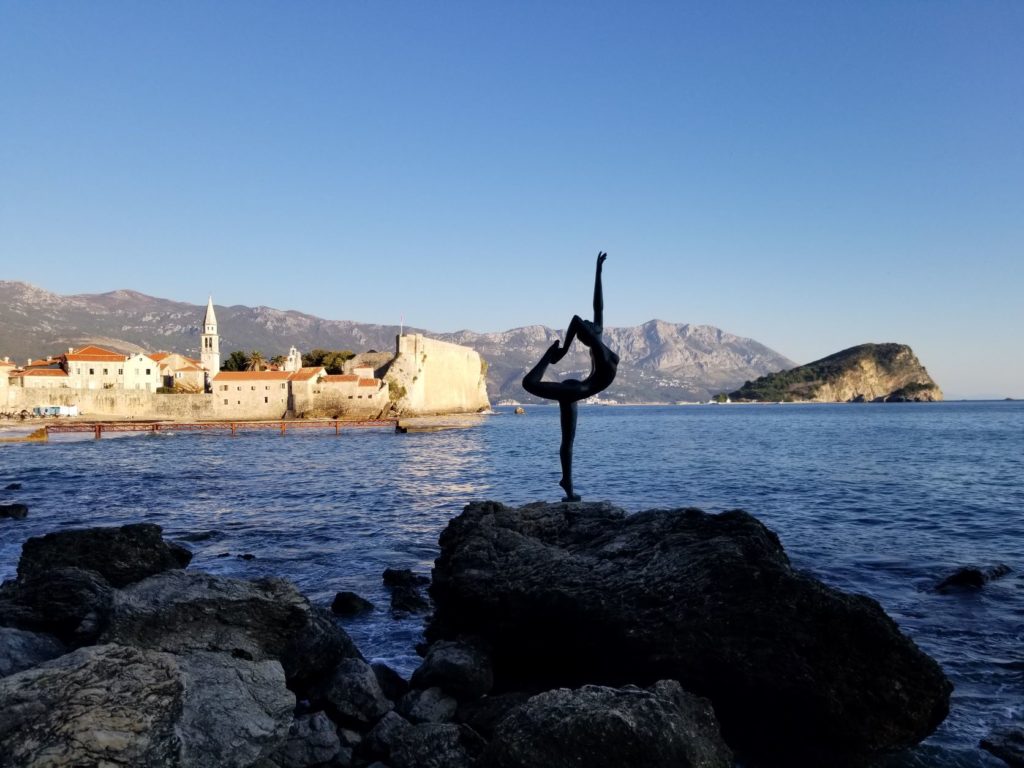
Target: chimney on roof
(7,359)
(71,350)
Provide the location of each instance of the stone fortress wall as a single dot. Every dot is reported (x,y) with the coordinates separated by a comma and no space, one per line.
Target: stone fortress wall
(112,403)
(436,377)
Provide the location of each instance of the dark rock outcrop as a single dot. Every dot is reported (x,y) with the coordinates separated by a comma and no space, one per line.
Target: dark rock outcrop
(143,708)
(20,649)
(600,727)
(461,669)
(483,715)
(120,555)
(392,683)
(179,611)
(569,594)
(408,600)
(14,511)
(972,577)
(350,604)
(1007,743)
(436,745)
(312,740)
(431,705)
(354,695)
(403,577)
(71,603)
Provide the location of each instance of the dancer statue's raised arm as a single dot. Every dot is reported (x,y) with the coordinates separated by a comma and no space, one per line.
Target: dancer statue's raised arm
(604,364)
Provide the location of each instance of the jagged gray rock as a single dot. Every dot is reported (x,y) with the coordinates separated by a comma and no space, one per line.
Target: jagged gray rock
(436,745)
(312,740)
(382,736)
(179,611)
(20,649)
(461,669)
(568,594)
(72,603)
(122,555)
(431,705)
(355,695)
(599,727)
(116,705)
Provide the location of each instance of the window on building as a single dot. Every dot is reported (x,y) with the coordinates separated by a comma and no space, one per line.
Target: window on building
(225,401)
(148,370)
(239,389)
(253,388)
(266,399)
(78,371)
(92,371)
(104,371)
(120,371)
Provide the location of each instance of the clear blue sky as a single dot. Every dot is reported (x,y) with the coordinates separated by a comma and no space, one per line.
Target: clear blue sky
(812,175)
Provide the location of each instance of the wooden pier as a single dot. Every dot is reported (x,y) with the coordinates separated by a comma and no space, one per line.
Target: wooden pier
(98,428)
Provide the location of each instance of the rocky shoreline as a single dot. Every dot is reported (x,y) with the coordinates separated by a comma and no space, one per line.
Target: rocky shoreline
(561,635)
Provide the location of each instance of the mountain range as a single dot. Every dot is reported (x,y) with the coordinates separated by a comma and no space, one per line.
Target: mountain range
(660,361)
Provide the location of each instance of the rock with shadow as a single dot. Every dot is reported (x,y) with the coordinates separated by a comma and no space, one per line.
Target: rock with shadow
(14,511)
(268,618)
(971,578)
(575,594)
(601,727)
(122,555)
(71,603)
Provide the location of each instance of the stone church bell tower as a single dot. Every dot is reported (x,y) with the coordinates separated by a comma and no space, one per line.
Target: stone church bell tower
(209,342)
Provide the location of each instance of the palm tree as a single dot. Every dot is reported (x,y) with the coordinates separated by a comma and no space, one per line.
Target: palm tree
(256,362)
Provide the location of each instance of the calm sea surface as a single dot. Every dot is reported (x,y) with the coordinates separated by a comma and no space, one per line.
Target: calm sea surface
(879,499)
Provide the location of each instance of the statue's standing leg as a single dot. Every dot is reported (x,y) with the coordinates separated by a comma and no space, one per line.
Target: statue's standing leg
(567,412)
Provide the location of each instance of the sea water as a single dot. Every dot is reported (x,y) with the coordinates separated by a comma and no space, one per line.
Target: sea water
(883,500)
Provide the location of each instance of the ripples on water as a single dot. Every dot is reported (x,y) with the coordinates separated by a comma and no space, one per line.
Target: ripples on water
(883,500)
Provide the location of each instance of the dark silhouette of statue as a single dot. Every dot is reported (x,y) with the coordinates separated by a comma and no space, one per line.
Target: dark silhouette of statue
(603,365)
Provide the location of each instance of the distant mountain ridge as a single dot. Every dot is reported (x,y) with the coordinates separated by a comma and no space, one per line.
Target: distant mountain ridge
(660,361)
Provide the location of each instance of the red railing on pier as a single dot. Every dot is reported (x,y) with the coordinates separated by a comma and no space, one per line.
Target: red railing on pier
(98,428)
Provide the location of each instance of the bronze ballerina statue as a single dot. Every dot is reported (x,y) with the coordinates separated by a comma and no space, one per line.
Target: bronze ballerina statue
(603,365)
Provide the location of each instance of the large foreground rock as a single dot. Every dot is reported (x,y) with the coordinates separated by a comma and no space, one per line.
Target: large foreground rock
(119,706)
(121,555)
(569,594)
(179,611)
(600,727)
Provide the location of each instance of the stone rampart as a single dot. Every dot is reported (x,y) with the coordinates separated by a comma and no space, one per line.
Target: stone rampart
(436,377)
(114,403)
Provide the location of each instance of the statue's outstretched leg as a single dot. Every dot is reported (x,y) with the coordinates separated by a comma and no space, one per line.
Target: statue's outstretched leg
(567,412)
(532,381)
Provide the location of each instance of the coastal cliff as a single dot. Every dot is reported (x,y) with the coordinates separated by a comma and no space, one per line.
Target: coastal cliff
(867,373)
(428,377)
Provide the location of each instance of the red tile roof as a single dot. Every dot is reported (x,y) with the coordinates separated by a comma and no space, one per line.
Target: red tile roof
(338,377)
(158,356)
(305,374)
(369,382)
(252,376)
(94,353)
(41,372)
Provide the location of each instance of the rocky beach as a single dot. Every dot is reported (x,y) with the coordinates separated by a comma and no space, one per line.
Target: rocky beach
(558,635)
